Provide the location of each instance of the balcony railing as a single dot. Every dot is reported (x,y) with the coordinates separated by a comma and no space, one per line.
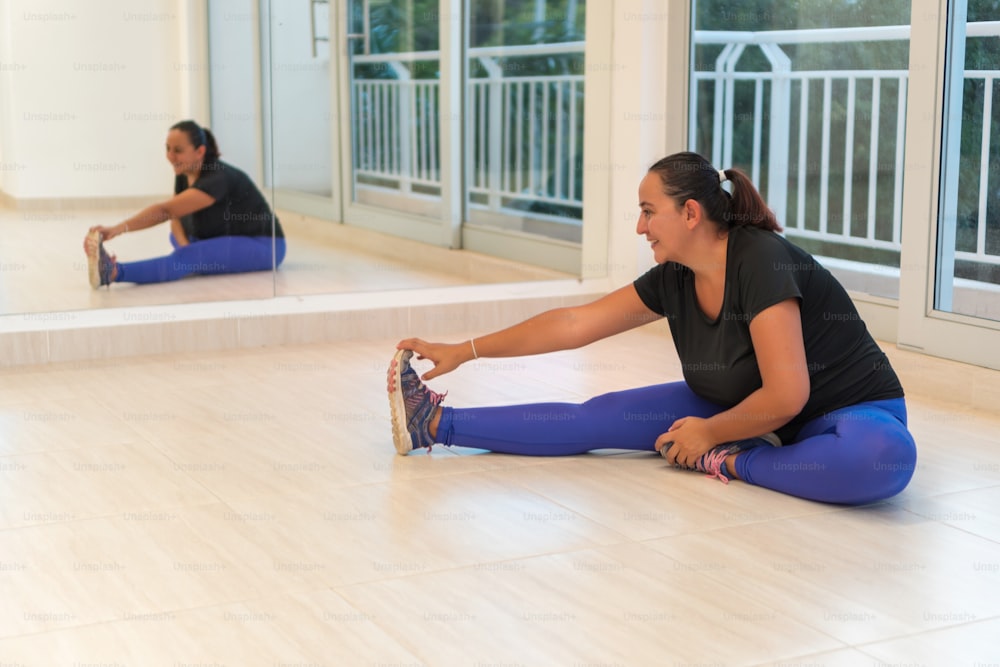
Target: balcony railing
(524,132)
(809,170)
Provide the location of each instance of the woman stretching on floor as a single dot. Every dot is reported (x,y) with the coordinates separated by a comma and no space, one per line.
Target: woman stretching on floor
(783,387)
(219,220)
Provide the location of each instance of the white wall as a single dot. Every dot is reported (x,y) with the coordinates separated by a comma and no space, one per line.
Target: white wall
(235,56)
(290,99)
(88,93)
(647,121)
(300,102)
(10,67)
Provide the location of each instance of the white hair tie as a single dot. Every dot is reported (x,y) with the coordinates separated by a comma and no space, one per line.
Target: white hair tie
(722,176)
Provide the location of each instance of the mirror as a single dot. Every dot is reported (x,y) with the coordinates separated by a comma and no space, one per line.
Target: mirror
(83,128)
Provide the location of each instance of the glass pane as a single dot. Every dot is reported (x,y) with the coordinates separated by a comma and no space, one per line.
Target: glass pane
(816,117)
(524,115)
(393,45)
(968,257)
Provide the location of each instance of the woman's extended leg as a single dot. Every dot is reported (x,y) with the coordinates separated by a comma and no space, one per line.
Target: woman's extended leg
(630,419)
(858,454)
(224,254)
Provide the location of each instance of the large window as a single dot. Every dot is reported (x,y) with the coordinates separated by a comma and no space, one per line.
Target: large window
(812,104)
(871,128)
(968,239)
(945,309)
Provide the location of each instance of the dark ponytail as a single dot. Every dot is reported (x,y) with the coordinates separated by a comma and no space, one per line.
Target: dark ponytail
(690,176)
(200,136)
(212,149)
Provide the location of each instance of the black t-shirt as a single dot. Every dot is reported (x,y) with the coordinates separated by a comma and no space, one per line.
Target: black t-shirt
(763,268)
(239,209)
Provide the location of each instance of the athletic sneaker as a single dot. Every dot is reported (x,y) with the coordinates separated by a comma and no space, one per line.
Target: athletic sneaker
(712,462)
(411,403)
(100,265)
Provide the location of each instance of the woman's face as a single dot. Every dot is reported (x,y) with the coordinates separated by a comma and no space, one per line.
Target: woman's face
(661,220)
(182,154)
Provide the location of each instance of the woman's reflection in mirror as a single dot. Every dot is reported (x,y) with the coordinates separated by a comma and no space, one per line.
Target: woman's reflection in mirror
(219,220)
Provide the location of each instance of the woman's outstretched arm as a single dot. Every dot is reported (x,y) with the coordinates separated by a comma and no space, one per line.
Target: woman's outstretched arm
(558,329)
(185,203)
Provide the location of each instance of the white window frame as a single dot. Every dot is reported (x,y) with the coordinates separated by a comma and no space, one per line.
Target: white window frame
(920,327)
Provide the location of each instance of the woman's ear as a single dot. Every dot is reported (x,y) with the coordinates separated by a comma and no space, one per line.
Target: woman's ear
(693,213)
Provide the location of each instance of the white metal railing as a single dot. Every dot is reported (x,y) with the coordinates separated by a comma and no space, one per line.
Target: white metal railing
(524,132)
(517,149)
(781,172)
(515,154)
(989,78)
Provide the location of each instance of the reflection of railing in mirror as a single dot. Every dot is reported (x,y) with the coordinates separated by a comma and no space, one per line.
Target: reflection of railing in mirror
(524,130)
(395,126)
(319,22)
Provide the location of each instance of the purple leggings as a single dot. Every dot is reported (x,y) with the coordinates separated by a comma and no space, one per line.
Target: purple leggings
(854,455)
(222,254)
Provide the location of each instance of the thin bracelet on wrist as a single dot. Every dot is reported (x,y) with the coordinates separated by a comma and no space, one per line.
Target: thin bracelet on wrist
(472,342)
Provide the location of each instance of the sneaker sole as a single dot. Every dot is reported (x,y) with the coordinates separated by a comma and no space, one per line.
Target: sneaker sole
(94,259)
(397,409)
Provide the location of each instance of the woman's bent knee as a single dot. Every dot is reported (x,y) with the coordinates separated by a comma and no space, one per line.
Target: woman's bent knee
(890,465)
(897,463)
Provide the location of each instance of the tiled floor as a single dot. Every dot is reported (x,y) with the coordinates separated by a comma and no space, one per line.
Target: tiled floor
(247,508)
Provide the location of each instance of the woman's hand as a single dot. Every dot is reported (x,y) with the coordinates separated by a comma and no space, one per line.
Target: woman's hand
(446,356)
(107,233)
(691,438)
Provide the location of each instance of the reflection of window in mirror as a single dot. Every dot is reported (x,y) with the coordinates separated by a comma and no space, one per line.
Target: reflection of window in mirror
(525,83)
(385,168)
